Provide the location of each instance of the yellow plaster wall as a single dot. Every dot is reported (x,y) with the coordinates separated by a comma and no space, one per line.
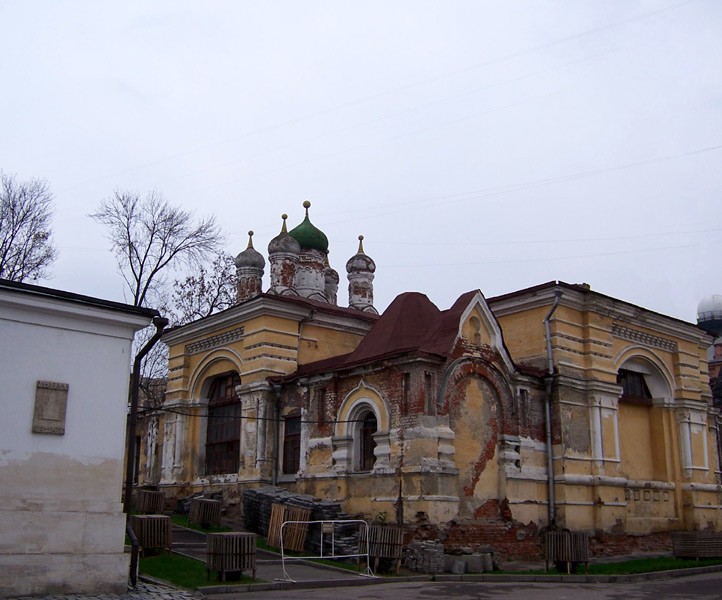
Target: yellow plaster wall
(524,334)
(473,326)
(476,432)
(635,440)
(664,442)
(609,436)
(319,458)
(318,342)
(584,340)
(699,453)
(270,345)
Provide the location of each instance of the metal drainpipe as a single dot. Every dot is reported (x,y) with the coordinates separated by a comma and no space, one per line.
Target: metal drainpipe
(547,410)
(160,324)
(134,551)
(276,424)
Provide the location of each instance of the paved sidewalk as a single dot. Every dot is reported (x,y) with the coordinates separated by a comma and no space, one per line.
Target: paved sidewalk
(268,564)
(144,591)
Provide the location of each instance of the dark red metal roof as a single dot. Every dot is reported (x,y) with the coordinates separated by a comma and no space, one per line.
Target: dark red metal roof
(411,323)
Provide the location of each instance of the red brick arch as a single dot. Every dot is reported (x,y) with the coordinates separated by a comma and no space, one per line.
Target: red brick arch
(466,367)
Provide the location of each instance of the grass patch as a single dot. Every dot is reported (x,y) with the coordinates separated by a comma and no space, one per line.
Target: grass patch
(182,520)
(182,571)
(262,544)
(647,565)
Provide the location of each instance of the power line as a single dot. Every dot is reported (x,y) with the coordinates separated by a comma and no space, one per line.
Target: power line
(532,260)
(509,188)
(388,92)
(554,240)
(150,411)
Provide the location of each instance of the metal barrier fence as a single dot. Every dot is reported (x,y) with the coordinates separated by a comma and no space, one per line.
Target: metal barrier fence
(328,528)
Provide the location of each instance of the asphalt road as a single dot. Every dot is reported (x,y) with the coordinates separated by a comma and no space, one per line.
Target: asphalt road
(696,587)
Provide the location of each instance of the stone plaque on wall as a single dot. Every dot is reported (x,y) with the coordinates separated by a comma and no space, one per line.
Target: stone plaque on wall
(51,401)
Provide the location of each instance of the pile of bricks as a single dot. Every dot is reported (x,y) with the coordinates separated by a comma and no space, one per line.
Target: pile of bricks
(424,556)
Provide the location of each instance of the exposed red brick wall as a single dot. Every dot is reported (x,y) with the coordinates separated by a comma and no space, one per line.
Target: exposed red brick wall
(513,540)
(508,540)
(604,544)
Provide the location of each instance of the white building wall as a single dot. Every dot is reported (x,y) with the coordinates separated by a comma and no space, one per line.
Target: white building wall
(60,495)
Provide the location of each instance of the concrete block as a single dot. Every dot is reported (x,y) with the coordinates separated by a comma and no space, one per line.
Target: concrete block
(459,567)
(474,563)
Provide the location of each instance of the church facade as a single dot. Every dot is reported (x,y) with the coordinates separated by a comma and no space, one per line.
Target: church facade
(480,424)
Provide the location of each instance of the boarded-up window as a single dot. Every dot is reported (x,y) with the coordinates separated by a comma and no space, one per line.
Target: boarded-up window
(292,445)
(367,442)
(223,438)
(634,387)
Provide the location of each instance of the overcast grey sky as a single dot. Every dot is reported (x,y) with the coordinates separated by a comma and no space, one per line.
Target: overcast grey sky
(475,144)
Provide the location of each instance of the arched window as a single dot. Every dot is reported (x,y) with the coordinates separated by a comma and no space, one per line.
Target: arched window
(634,387)
(361,434)
(223,435)
(367,443)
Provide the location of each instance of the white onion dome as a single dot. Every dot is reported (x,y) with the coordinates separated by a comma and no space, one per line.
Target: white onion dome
(250,257)
(360,262)
(709,314)
(710,308)
(284,242)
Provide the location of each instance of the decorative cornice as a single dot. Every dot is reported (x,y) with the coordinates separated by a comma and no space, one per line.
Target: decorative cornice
(222,339)
(579,298)
(258,306)
(271,345)
(646,339)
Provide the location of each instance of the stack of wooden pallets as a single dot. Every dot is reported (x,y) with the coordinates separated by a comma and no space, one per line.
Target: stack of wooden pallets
(382,542)
(294,534)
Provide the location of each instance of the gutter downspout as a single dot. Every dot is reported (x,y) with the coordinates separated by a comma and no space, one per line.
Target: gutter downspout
(549,379)
(160,324)
(134,551)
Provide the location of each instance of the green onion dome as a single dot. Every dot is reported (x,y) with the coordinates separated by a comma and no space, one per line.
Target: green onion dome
(309,236)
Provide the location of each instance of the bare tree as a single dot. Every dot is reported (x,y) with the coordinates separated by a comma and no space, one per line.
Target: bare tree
(26,211)
(150,236)
(209,290)
(153,371)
